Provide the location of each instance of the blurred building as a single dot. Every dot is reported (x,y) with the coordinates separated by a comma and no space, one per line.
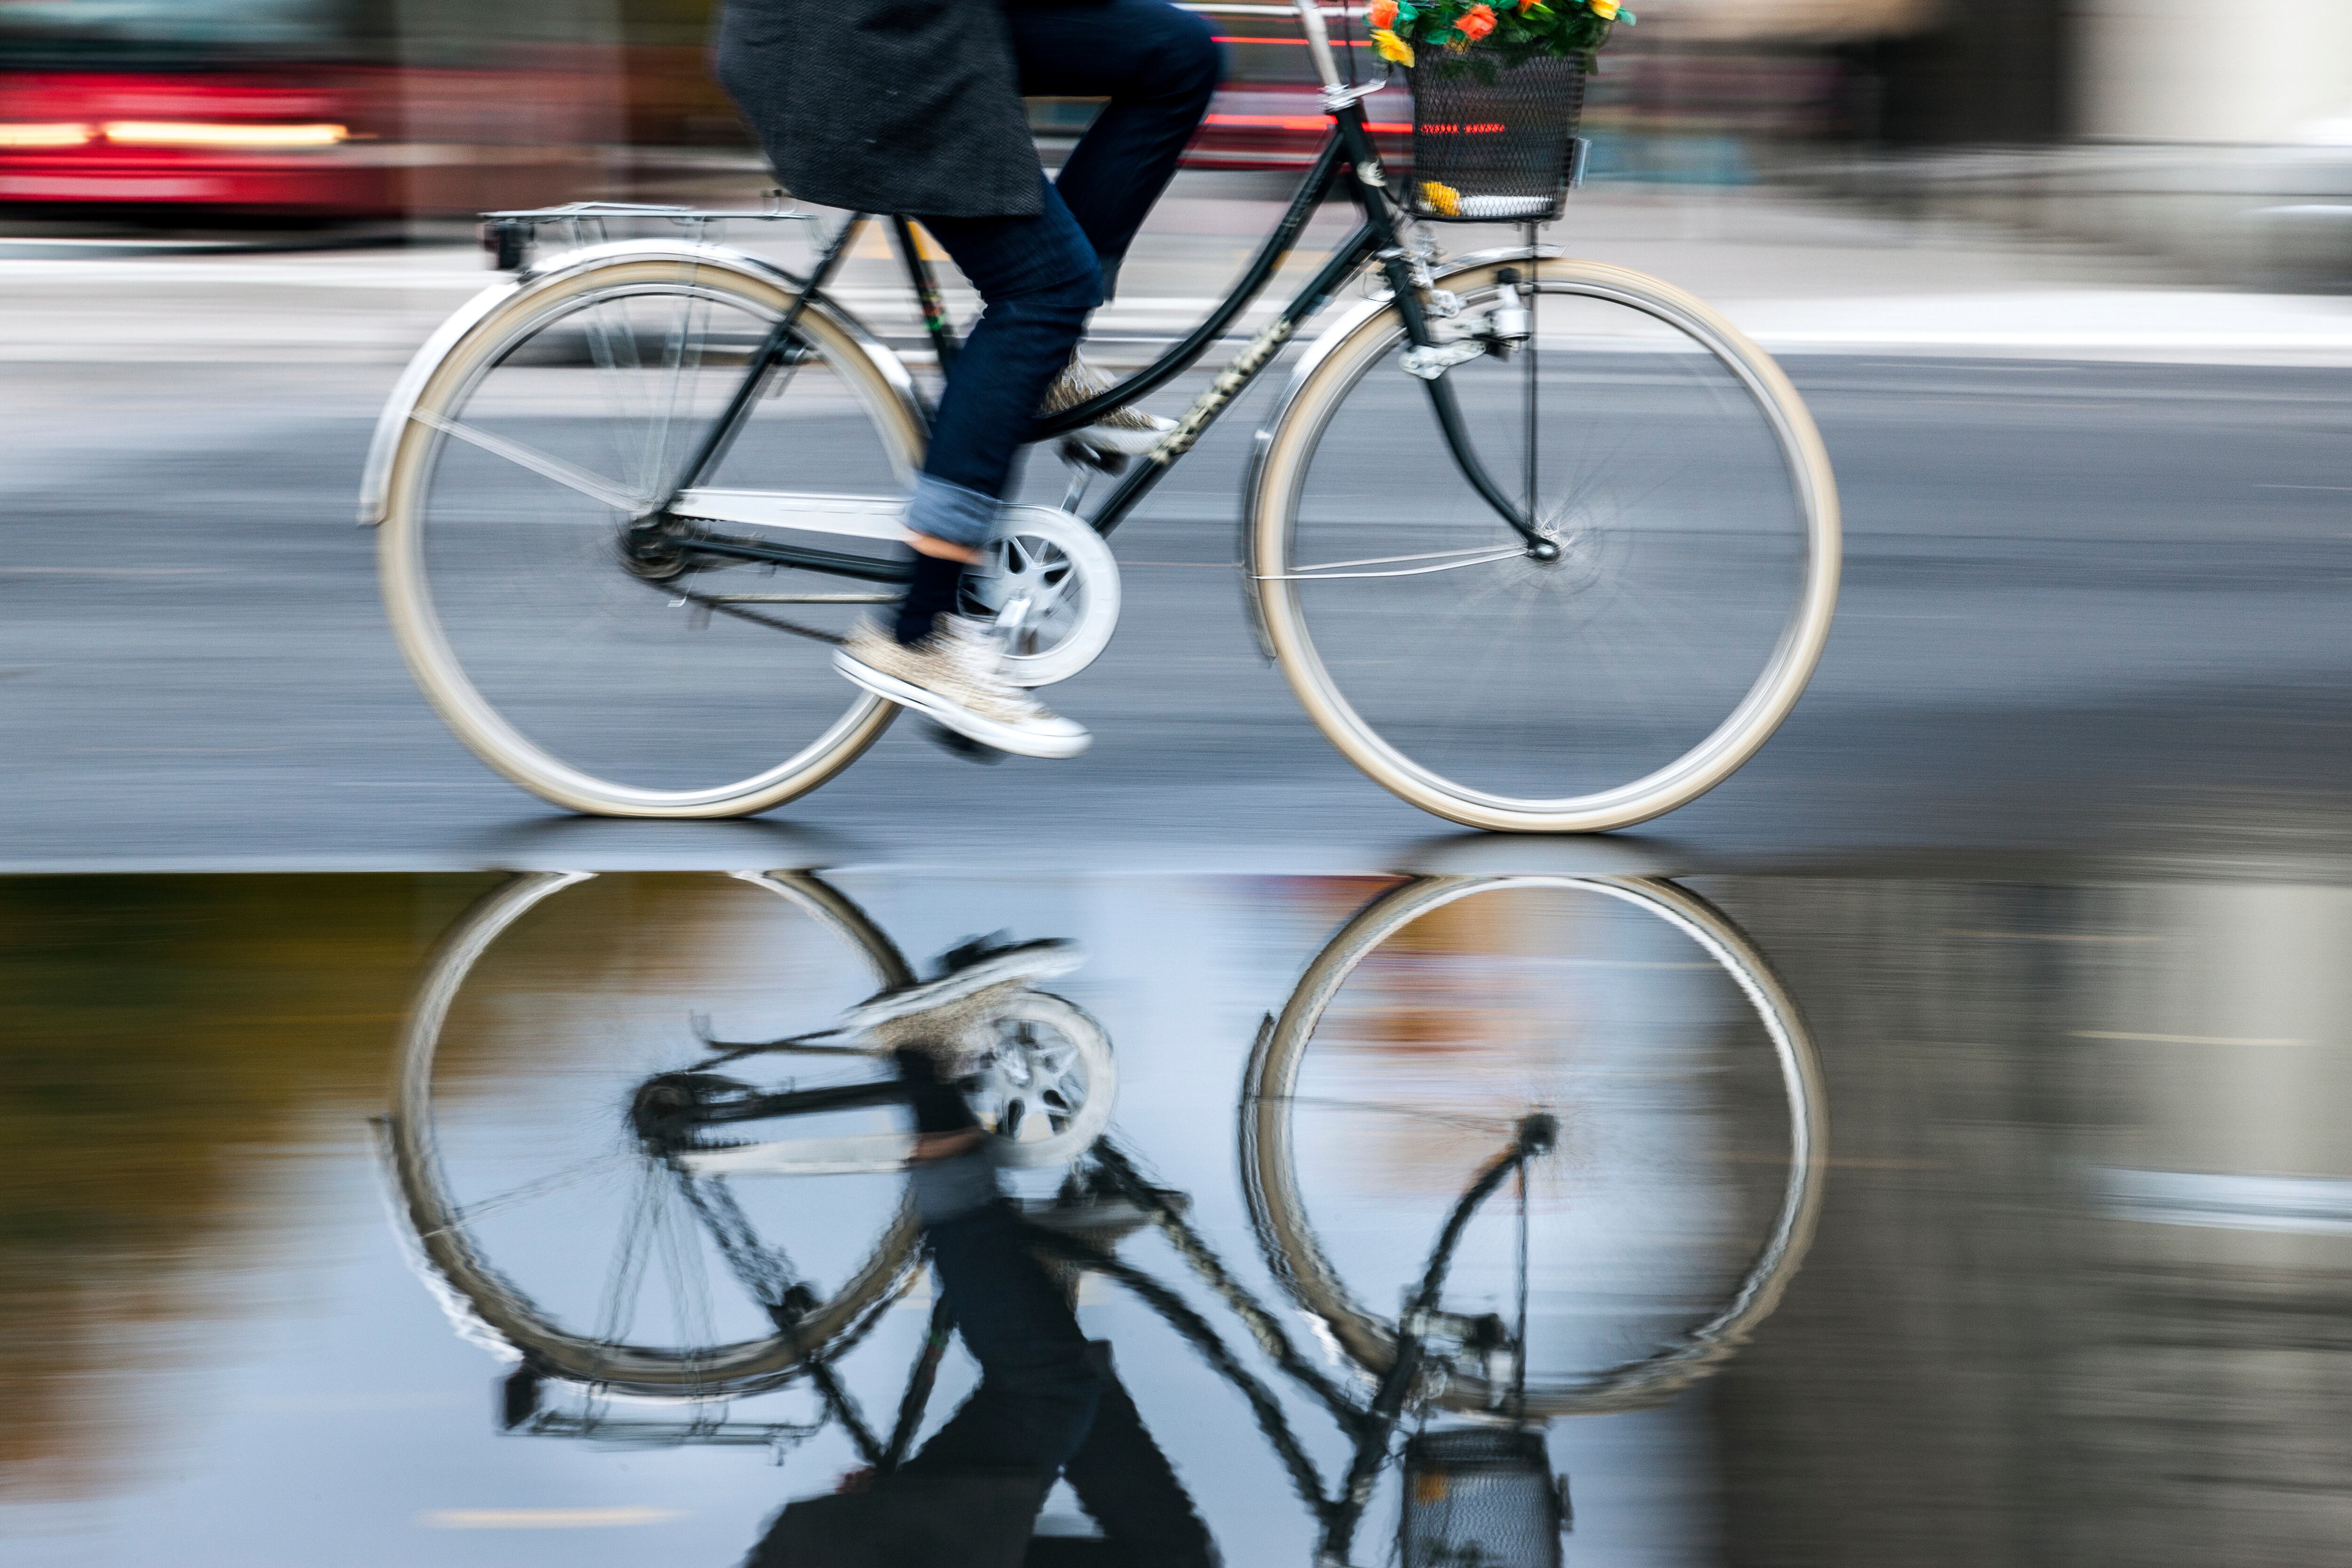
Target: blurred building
(2221,138)
(2079,1291)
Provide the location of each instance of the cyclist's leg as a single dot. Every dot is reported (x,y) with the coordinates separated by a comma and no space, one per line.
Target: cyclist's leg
(1038,281)
(1038,1384)
(1158,66)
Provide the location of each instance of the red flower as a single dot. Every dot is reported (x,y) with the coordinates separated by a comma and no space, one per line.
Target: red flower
(1383,12)
(1475,22)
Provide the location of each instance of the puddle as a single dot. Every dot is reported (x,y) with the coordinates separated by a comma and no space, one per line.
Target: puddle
(391,1219)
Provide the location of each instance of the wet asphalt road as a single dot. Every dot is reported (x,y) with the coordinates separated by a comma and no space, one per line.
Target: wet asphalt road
(2089,608)
(2050,861)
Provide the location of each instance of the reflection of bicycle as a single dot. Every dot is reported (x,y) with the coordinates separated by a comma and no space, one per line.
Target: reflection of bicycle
(1498,1068)
(1578,588)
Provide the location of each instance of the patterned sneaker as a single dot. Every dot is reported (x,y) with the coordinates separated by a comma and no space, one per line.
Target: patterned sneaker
(1127,430)
(956,677)
(952,1018)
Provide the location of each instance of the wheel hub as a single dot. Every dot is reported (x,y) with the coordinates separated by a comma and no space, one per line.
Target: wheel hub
(651,550)
(1025,566)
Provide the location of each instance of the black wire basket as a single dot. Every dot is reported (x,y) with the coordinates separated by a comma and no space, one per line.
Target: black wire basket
(1494,142)
(1479,1495)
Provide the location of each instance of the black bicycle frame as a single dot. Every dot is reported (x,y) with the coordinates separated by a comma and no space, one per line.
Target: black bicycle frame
(1370,1426)
(1350,149)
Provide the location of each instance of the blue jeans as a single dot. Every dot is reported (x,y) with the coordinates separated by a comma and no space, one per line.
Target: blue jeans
(1039,278)
(1048,1400)
(1038,1389)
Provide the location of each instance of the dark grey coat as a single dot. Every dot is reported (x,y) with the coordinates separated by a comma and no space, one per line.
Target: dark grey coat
(884,106)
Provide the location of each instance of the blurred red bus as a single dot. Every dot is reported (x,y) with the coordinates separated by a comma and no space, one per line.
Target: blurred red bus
(295,108)
(288,109)
(1269,114)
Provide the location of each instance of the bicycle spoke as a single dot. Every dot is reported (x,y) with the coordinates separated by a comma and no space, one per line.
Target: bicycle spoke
(614,1318)
(570,1176)
(693,1327)
(547,466)
(1451,559)
(1410,1113)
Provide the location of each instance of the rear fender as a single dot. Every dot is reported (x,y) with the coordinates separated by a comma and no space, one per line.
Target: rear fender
(375,482)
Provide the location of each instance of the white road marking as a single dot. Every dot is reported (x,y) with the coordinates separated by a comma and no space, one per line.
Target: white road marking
(543,1518)
(2318,1206)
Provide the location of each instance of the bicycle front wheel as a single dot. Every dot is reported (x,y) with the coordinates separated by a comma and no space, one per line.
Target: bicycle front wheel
(1693,522)
(1644,1249)
(581,646)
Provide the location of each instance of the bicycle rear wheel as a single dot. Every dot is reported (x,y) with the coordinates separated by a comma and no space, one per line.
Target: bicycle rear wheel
(606,666)
(1696,524)
(547,1227)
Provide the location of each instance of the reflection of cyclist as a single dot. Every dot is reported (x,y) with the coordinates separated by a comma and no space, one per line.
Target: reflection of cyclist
(913,106)
(1048,1403)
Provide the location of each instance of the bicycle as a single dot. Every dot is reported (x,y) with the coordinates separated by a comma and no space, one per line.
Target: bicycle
(1618,602)
(653,1146)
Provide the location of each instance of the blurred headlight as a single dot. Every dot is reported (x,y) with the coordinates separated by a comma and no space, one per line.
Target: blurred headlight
(196,133)
(22,135)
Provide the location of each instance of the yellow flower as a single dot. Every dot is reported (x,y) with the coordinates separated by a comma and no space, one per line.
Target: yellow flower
(1392,47)
(1443,200)
(1604,9)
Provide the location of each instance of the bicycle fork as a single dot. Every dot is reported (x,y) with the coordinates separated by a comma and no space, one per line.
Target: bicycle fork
(1537,1135)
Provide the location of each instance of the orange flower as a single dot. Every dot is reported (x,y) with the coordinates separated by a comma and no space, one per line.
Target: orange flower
(1383,12)
(1475,22)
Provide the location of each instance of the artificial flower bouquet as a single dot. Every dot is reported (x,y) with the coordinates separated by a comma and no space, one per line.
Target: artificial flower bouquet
(1422,34)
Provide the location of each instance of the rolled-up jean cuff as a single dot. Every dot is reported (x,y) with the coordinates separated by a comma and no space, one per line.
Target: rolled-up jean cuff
(951,513)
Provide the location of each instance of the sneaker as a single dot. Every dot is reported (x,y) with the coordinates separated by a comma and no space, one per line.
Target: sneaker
(950,1019)
(956,677)
(1130,431)
(965,972)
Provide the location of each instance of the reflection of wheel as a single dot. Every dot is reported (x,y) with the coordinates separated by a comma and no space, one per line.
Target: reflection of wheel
(1681,1196)
(570,635)
(1049,1083)
(530,1038)
(1067,580)
(1665,627)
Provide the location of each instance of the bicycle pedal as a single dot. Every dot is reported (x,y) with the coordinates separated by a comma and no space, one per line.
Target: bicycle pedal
(963,746)
(1077,454)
